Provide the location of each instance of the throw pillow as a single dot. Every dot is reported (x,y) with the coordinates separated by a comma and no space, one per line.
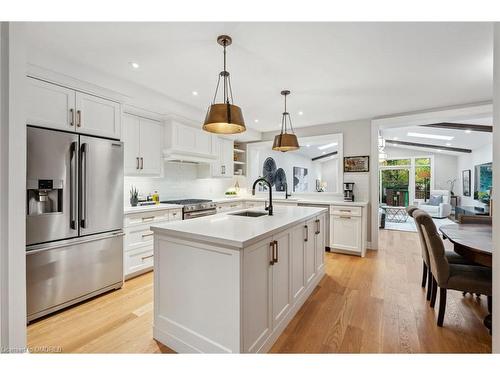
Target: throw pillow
(435,200)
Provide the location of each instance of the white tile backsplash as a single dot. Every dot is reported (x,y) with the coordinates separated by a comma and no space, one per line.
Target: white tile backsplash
(181,181)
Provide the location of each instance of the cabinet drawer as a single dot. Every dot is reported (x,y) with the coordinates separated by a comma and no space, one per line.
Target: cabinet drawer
(146,217)
(345,211)
(138,260)
(175,215)
(138,236)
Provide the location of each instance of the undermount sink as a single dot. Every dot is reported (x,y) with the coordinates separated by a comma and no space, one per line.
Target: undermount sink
(249,213)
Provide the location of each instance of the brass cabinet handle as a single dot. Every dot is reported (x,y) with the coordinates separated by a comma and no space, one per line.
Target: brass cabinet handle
(78,118)
(142,162)
(345,217)
(147,234)
(150,218)
(317,226)
(137,163)
(345,210)
(307,233)
(275,257)
(146,257)
(72,116)
(271,246)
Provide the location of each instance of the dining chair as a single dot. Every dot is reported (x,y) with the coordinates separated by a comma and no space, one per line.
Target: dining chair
(474,219)
(427,277)
(461,277)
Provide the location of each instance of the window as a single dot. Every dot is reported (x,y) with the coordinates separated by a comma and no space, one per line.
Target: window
(404,180)
(395,162)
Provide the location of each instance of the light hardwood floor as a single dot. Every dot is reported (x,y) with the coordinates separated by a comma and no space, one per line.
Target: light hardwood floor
(362,305)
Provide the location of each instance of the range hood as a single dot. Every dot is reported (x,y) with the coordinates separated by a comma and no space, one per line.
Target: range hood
(170,156)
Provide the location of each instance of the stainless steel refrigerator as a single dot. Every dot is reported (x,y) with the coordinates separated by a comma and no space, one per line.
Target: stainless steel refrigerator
(74,205)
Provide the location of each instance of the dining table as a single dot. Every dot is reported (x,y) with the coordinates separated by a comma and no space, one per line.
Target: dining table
(475,243)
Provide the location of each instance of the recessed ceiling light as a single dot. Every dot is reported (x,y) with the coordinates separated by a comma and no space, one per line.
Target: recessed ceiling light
(301,113)
(448,144)
(308,145)
(328,146)
(395,138)
(323,153)
(134,65)
(468,131)
(440,150)
(256,120)
(195,93)
(431,136)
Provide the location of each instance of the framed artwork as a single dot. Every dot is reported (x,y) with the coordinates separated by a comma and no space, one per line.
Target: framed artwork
(356,164)
(300,179)
(466,182)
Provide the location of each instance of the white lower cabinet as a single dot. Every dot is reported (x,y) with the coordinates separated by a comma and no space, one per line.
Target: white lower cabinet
(138,239)
(275,281)
(348,230)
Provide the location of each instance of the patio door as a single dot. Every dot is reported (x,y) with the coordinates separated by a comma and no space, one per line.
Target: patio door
(395,186)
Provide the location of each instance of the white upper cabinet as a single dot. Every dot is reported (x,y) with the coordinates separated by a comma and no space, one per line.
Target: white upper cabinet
(223,166)
(97,116)
(131,143)
(182,140)
(142,143)
(57,107)
(150,136)
(50,106)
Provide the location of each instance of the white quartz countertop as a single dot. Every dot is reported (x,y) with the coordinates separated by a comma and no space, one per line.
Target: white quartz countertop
(237,231)
(297,200)
(149,208)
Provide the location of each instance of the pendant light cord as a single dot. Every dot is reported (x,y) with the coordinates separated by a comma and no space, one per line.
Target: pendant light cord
(227,90)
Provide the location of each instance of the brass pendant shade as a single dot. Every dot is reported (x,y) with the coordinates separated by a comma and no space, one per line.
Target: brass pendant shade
(286,141)
(225,117)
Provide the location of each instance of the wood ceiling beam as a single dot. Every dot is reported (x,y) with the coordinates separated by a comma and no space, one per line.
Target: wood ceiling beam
(455,126)
(325,156)
(425,145)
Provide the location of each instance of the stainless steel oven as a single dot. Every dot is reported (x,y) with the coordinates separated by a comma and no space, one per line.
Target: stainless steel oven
(192,215)
(193,208)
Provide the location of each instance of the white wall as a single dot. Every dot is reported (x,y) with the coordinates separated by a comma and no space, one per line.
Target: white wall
(469,161)
(181,181)
(13,187)
(496,182)
(444,168)
(329,173)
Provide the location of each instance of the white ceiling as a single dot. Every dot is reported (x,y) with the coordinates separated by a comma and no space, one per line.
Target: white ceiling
(336,71)
(461,139)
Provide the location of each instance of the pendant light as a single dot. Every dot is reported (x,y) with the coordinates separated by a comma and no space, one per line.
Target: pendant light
(225,117)
(286,141)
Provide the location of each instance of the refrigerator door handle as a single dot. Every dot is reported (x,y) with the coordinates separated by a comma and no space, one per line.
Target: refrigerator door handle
(83,184)
(72,182)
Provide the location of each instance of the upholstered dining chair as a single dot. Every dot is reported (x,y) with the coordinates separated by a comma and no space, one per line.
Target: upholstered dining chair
(462,277)
(427,277)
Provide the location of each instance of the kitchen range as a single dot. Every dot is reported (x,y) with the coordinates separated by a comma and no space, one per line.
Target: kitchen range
(193,208)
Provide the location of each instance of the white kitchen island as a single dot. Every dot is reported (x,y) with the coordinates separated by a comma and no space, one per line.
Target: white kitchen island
(231,284)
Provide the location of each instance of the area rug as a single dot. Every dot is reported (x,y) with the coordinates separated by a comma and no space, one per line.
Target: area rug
(409,225)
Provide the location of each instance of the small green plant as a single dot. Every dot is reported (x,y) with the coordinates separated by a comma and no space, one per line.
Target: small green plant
(134,196)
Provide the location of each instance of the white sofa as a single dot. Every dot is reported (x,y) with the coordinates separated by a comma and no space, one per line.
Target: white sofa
(442,210)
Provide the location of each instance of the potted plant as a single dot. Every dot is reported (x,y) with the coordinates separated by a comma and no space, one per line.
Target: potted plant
(134,196)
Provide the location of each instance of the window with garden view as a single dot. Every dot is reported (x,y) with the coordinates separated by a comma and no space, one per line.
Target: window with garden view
(404,180)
